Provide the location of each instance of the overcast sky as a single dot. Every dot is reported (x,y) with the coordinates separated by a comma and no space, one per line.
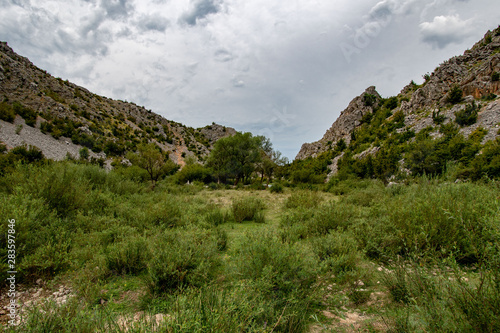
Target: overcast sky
(283,69)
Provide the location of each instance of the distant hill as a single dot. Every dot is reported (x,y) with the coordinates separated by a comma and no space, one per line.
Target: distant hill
(466,83)
(60,118)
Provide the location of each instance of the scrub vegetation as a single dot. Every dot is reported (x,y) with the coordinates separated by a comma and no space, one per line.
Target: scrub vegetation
(223,258)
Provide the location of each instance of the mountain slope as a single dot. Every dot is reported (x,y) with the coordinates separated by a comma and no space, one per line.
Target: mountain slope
(466,82)
(64,114)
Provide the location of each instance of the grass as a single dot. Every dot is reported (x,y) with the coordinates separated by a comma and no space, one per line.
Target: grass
(423,257)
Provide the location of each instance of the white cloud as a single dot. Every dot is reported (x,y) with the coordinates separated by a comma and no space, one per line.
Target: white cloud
(444,30)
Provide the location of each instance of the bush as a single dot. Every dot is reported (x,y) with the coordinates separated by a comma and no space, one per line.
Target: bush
(276,188)
(338,252)
(369,99)
(247,209)
(303,199)
(181,260)
(217,217)
(467,116)
(28,114)
(454,95)
(30,154)
(434,221)
(7,113)
(391,103)
(127,257)
(193,172)
(285,273)
(495,76)
(48,259)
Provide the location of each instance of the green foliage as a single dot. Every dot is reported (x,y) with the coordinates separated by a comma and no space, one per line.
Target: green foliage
(127,257)
(150,158)
(55,96)
(283,273)
(28,114)
(30,154)
(495,76)
(276,188)
(391,103)
(337,252)
(180,260)
(84,153)
(193,172)
(7,112)
(369,99)
(454,95)
(467,116)
(437,117)
(235,156)
(303,199)
(249,209)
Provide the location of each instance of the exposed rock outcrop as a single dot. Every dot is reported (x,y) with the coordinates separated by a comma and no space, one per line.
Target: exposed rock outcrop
(348,120)
(474,74)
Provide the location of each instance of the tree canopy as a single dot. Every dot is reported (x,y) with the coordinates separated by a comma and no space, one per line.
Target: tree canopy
(150,158)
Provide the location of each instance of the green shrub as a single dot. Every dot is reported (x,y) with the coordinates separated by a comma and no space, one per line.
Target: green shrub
(435,221)
(247,209)
(84,153)
(28,114)
(338,252)
(181,260)
(166,214)
(48,259)
(7,112)
(217,217)
(276,188)
(495,76)
(467,116)
(391,103)
(454,95)
(285,272)
(30,154)
(303,199)
(127,257)
(332,216)
(369,99)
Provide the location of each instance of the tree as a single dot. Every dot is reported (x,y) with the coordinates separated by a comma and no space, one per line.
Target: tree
(235,157)
(150,158)
(270,160)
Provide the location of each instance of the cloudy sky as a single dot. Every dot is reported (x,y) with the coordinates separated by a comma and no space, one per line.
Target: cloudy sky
(284,69)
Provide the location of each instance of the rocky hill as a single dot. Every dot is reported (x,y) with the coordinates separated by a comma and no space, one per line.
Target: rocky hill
(469,81)
(60,118)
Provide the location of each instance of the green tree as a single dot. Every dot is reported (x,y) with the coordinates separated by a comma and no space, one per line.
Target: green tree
(270,160)
(235,157)
(150,158)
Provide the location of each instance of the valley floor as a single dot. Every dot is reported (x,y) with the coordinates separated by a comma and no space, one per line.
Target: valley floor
(99,252)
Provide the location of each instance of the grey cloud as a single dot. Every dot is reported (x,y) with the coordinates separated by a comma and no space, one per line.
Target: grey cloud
(153,22)
(222,55)
(238,83)
(117,8)
(92,23)
(444,30)
(201,9)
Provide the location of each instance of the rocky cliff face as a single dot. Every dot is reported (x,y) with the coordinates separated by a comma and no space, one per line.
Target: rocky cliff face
(474,75)
(102,119)
(348,120)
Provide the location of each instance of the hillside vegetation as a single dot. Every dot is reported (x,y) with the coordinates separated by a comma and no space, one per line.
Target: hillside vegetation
(421,257)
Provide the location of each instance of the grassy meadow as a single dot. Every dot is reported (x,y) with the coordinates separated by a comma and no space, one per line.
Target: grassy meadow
(349,256)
